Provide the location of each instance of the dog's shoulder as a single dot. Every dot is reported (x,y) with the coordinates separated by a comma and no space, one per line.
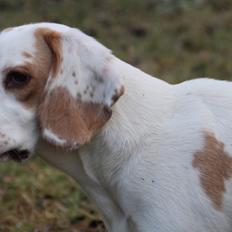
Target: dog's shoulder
(216,95)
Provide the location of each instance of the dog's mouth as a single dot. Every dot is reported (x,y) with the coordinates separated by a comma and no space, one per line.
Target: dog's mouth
(15,154)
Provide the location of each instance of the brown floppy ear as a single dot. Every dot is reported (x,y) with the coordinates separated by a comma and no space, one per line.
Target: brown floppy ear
(80,90)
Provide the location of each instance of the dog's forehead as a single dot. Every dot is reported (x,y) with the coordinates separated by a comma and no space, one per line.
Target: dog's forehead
(15,43)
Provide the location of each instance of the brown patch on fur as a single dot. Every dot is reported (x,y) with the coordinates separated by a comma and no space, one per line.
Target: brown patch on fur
(215,166)
(45,60)
(53,40)
(27,55)
(38,68)
(118,94)
(71,119)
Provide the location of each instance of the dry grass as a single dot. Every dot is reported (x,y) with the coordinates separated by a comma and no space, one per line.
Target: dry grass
(35,197)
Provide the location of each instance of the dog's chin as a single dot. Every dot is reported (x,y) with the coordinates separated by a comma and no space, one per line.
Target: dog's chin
(16,155)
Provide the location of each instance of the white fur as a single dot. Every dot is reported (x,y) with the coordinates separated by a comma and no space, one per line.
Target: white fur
(49,134)
(138,168)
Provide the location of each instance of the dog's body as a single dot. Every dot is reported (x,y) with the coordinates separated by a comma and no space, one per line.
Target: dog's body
(162,162)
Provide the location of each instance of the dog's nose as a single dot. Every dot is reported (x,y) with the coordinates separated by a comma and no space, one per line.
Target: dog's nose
(19,155)
(15,154)
(24,154)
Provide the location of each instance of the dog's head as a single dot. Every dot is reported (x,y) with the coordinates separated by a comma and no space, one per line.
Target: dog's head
(56,83)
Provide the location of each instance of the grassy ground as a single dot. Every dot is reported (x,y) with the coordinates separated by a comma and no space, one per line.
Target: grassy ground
(174,40)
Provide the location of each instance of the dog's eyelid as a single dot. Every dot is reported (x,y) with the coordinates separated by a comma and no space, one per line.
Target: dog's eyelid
(19,69)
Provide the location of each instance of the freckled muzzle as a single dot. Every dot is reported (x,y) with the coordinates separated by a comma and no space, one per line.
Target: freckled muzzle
(15,154)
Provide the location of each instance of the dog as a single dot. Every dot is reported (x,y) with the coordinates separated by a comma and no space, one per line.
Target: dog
(152,156)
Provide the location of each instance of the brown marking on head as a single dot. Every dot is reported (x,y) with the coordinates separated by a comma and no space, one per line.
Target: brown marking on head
(45,60)
(53,40)
(71,119)
(215,166)
(27,55)
(38,68)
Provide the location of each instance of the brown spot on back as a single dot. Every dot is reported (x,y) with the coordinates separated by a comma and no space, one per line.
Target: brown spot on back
(215,166)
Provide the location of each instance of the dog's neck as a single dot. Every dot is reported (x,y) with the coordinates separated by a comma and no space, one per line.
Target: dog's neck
(146,103)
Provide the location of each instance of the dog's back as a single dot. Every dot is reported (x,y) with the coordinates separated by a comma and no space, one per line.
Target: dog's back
(187,177)
(195,158)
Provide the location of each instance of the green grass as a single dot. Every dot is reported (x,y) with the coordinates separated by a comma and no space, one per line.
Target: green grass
(176,41)
(36,196)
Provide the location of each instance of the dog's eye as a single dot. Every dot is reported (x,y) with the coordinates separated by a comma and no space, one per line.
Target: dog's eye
(16,79)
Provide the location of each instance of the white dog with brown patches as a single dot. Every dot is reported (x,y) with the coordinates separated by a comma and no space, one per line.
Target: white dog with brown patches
(152,156)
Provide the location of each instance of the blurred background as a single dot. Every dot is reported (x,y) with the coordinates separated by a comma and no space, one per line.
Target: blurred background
(174,40)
